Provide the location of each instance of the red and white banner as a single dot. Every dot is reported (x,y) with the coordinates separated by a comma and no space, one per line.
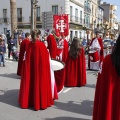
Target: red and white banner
(61,25)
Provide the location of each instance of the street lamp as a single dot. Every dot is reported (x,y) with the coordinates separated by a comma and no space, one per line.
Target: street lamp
(33,14)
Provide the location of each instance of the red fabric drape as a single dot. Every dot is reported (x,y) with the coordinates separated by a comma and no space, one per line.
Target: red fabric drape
(52,46)
(23,47)
(107,97)
(76,71)
(35,87)
(60,74)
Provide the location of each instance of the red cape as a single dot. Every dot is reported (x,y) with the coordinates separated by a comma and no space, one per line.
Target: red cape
(101,51)
(23,47)
(60,74)
(35,87)
(107,94)
(76,71)
(52,46)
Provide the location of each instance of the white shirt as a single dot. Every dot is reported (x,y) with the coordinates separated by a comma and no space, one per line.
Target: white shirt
(95,44)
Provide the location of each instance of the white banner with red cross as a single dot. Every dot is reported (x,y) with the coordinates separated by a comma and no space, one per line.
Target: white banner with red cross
(61,25)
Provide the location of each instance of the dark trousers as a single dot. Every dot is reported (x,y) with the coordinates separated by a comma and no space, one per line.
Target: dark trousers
(9,52)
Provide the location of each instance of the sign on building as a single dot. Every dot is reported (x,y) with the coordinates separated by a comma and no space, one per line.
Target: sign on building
(47,20)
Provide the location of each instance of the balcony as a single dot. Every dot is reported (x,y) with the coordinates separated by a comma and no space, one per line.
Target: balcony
(20,19)
(100,16)
(77,20)
(113,7)
(87,9)
(112,24)
(88,26)
(4,20)
(38,19)
(1,20)
(113,16)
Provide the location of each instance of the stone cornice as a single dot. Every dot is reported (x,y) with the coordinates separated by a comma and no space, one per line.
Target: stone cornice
(77,3)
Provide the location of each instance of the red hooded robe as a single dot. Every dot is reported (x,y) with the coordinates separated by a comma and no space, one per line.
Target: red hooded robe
(52,46)
(75,71)
(107,94)
(60,74)
(35,87)
(23,47)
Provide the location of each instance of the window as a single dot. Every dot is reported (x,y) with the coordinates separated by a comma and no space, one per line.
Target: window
(80,35)
(80,16)
(85,3)
(92,9)
(76,33)
(76,15)
(5,15)
(55,9)
(38,13)
(19,14)
(71,9)
(88,5)
(85,19)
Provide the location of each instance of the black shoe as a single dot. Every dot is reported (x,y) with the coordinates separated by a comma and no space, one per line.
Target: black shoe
(3,65)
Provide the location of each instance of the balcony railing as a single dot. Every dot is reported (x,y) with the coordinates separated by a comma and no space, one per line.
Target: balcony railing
(87,25)
(76,20)
(1,20)
(38,19)
(87,9)
(4,20)
(100,16)
(20,19)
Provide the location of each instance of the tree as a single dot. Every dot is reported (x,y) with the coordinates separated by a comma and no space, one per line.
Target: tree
(13,10)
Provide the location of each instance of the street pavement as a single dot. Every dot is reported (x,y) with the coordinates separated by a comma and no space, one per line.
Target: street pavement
(74,103)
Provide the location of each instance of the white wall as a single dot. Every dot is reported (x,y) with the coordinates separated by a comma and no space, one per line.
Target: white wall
(74,6)
(45,5)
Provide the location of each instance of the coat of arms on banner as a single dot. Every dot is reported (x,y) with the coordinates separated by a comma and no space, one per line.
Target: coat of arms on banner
(61,24)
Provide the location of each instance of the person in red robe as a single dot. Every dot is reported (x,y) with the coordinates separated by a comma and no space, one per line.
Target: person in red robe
(23,47)
(96,47)
(62,53)
(52,46)
(107,94)
(35,86)
(75,66)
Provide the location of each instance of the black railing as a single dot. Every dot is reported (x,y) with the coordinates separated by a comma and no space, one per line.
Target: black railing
(38,19)
(5,20)
(76,20)
(20,19)
(87,9)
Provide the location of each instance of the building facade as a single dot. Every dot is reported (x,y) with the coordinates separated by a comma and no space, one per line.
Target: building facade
(94,17)
(111,18)
(74,8)
(87,13)
(109,13)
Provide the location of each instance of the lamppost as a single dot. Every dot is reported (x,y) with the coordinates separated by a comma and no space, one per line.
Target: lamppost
(33,14)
